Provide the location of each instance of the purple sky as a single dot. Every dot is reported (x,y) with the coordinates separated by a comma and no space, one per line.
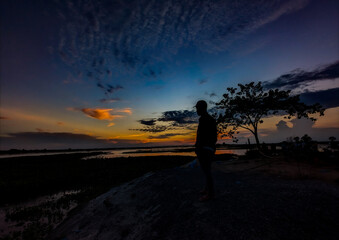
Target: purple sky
(102,73)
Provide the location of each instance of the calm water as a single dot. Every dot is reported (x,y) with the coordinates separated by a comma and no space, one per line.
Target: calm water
(166,151)
(160,152)
(133,152)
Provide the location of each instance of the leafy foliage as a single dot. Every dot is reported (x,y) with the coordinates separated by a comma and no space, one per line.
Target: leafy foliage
(246,106)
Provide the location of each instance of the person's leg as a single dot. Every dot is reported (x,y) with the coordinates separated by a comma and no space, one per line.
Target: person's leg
(202,162)
(205,163)
(209,179)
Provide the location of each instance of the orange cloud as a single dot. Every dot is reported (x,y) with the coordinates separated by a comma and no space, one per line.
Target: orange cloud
(100,113)
(103,113)
(125,110)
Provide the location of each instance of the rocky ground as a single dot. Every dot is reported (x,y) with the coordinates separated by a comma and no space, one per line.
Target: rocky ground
(249,205)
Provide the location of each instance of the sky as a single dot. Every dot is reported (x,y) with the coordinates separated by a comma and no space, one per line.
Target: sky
(104,73)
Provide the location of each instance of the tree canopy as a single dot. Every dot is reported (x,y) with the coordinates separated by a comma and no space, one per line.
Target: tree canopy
(246,106)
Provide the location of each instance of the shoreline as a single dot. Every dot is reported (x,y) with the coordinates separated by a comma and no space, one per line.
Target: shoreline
(137,167)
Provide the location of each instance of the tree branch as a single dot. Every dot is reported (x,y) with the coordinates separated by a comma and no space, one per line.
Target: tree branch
(246,128)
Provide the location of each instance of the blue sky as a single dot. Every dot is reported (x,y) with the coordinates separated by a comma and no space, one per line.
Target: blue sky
(94,69)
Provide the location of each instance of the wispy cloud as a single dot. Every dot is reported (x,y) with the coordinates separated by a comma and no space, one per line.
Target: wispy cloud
(153,129)
(103,36)
(110,100)
(108,88)
(166,136)
(203,81)
(211,95)
(124,110)
(3,118)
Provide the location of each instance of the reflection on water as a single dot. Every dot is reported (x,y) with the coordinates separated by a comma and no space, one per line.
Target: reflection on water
(176,151)
(166,151)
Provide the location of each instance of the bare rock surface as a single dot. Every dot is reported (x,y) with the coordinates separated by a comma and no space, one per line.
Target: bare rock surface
(164,205)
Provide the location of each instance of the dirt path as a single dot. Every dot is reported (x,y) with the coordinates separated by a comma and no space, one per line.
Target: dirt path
(165,205)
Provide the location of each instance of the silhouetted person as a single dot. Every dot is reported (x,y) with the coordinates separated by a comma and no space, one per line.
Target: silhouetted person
(205,147)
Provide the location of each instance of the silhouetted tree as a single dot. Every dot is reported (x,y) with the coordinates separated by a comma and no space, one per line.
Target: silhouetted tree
(332,139)
(247,106)
(306,139)
(333,144)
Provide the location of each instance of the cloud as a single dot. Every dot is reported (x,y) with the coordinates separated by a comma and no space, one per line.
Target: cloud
(124,110)
(60,123)
(108,88)
(61,140)
(148,122)
(176,119)
(203,81)
(323,78)
(166,136)
(110,100)
(153,129)
(103,36)
(328,98)
(101,114)
(287,129)
(180,117)
(3,118)
(151,73)
(318,86)
(211,95)
(299,128)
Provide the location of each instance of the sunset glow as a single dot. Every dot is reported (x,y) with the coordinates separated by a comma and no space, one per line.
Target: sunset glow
(126,75)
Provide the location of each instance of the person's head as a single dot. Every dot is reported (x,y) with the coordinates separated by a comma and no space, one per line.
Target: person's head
(201,107)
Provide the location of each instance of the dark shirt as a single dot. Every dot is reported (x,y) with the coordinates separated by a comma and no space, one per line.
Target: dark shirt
(206,133)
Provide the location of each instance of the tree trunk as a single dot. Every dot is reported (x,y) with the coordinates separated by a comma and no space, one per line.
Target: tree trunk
(257,139)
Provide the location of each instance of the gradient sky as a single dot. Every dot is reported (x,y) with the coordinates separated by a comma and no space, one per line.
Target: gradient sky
(83,74)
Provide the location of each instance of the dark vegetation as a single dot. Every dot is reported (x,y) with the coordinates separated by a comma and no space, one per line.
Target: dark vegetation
(26,178)
(300,149)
